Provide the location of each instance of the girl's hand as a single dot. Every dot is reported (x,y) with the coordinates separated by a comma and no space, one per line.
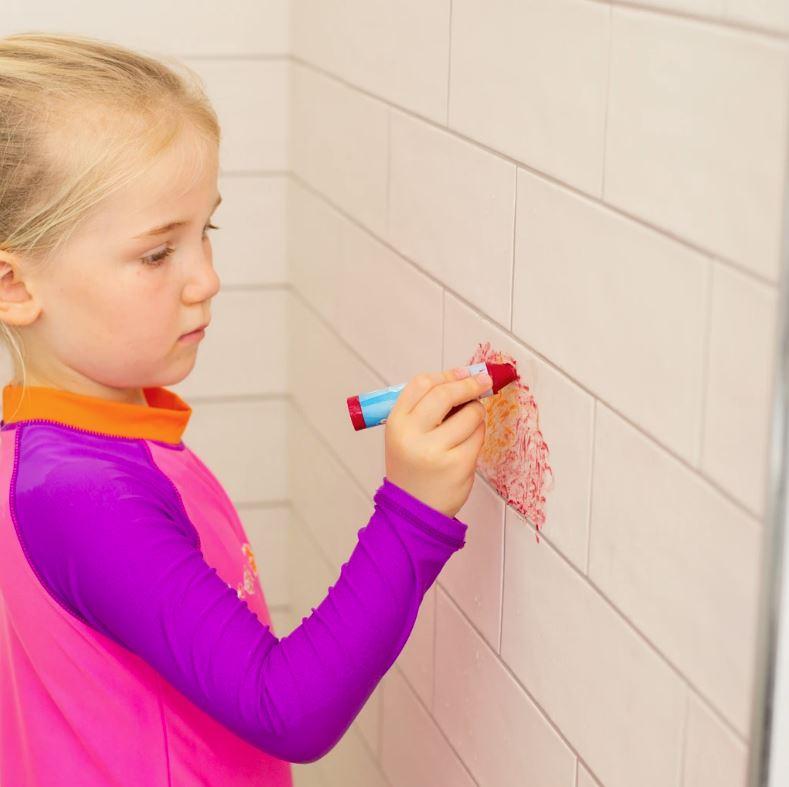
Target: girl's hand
(431,459)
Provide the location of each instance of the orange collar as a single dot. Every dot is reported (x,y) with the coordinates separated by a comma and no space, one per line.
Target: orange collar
(163,418)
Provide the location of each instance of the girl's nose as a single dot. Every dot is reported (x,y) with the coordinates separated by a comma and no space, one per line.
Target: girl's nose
(202,285)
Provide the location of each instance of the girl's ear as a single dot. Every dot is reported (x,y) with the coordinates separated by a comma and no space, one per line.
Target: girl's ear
(17,305)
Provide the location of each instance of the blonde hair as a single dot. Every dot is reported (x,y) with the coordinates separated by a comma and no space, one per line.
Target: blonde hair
(79,119)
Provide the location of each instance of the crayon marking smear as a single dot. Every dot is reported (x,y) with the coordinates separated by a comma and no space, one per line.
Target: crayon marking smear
(514,456)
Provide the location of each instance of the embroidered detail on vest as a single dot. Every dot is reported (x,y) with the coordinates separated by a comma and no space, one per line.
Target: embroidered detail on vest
(247,586)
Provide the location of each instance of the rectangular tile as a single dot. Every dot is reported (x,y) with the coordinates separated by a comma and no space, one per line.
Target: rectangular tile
(714,757)
(617,702)
(267,530)
(244,443)
(565,420)
(514,86)
(678,560)
(363,42)
(243,351)
(251,100)
(255,27)
(389,312)
(711,8)
(415,753)
(677,144)
(451,208)
(740,379)
(309,573)
(314,249)
(338,144)
(615,305)
(585,779)
(250,244)
(323,373)
(417,658)
(368,722)
(504,737)
(351,764)
(323,493)
(771,14)
(473,575)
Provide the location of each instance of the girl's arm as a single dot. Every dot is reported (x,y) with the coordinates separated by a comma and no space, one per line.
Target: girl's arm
(127,564)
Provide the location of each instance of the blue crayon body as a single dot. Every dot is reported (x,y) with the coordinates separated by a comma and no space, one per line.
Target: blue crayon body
(373,408)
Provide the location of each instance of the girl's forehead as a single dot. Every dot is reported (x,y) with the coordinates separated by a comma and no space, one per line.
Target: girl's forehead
(176,182)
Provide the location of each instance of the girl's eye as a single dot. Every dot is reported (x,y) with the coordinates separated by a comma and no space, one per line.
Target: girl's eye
(155,260)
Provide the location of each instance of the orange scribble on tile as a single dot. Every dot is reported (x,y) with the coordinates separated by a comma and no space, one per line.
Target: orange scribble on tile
(514,456)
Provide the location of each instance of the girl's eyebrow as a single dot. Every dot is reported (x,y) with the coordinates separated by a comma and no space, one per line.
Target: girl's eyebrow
(172,225)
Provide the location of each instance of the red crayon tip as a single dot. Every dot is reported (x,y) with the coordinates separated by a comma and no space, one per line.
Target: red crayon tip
(355,410)
(502,374)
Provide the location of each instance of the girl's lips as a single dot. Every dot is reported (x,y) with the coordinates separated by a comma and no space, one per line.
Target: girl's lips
(193,336)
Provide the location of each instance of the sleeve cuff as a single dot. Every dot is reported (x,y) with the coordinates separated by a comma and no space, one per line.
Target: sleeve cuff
(393,498)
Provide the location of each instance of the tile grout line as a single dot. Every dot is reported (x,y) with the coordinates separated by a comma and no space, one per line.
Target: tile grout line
(683,740)
(449,63)
(607,98)
(514,252)
(431,717)
(388,206)
(721,23)
(706,363)
(591,486)
(503,573)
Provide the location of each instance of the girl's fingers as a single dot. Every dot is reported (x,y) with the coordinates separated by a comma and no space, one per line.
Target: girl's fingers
(433,407)
(469,448)
(460,426)
(420,385)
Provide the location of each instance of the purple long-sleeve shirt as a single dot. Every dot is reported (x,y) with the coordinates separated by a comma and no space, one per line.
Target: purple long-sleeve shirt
(127,584)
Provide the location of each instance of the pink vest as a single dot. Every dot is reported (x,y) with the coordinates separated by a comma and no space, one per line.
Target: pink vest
(76,708)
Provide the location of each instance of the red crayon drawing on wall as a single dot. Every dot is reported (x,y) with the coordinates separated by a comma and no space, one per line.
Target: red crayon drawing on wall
(514,456)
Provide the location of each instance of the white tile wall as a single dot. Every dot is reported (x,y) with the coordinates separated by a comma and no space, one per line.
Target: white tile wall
(585,779)
(681,152)
(529,79)
(769,15)
(615,305)
(713,756)
(253,95)
(739,385)
(178,28)
(267,528)
(671,553)
(451,209)
(414,749)
(339,144)
(249,246)
(613,697)
(505,738)
(596,205)
(362,42)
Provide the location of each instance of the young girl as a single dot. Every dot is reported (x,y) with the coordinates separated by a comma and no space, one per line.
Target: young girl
(135,643)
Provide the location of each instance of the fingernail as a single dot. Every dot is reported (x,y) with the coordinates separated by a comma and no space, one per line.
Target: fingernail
(461,372)
(483,379)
